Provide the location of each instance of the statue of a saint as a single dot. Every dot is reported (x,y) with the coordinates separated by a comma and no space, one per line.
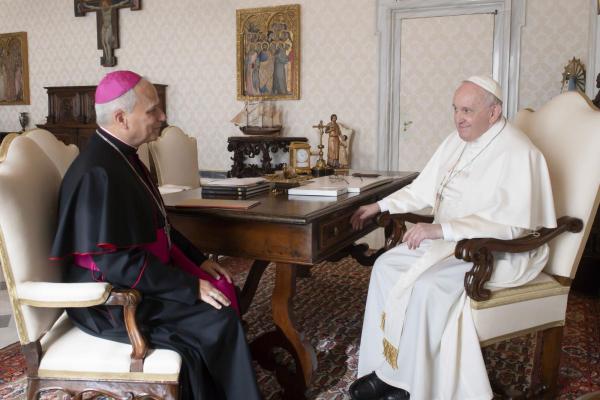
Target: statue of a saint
(333,144)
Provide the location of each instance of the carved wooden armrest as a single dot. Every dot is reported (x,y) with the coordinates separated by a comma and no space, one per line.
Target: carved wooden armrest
(395,225)
(129,299)
(479,251)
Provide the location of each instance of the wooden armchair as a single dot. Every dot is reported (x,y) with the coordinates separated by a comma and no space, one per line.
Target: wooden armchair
(60,356)
(567,131)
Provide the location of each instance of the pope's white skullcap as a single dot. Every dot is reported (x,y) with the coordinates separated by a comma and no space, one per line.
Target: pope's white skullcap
(487,84)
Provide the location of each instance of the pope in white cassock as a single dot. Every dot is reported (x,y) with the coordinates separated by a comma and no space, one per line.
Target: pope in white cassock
(485,180)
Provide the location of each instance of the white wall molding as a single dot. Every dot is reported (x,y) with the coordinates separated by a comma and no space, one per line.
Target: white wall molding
(593,67)
(509,19)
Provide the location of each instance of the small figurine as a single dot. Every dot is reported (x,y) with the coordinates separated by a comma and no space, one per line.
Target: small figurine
(343,153)
(333,144)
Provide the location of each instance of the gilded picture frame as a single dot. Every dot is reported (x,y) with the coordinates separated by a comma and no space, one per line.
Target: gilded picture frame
(268,53)
(14,69)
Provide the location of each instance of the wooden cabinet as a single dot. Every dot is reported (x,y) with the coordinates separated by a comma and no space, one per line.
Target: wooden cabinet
(71,115)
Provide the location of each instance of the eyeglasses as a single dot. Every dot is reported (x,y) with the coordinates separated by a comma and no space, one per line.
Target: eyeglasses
(338,178)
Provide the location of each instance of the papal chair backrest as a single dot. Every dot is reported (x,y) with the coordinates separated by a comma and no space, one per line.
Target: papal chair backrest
(62,156)
(567,131)
(175,158)
(29,187)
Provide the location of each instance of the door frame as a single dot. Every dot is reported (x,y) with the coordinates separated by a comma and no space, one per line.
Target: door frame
(508,22)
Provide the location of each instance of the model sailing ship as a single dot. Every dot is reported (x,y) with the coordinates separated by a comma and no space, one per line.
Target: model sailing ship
(258,118)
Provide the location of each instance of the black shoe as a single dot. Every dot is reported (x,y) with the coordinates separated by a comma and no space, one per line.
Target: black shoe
(396,394)
(369,387)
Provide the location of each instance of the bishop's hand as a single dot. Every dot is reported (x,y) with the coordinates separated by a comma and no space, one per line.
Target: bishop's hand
(211,295)
(215,270)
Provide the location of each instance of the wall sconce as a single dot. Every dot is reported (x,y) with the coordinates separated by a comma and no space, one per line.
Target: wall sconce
(574,75)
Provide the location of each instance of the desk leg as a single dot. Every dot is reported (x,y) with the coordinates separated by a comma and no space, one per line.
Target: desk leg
(286,336)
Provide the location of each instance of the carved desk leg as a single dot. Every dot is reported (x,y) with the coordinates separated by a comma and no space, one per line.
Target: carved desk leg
(286,336)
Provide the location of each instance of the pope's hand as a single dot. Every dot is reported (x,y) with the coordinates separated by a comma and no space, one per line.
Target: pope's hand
(215,270)
(211,295)
(363,213)
(421,231)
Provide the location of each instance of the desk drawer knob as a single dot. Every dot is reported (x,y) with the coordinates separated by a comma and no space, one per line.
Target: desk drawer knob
(336,231)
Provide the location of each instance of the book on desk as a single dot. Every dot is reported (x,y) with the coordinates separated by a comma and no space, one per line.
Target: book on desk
(235,188)
(335,185)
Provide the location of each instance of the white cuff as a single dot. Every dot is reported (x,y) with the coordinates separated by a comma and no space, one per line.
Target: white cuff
(384,205)
(447,232)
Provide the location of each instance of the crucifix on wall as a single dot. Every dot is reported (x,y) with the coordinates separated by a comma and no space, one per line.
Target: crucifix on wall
(107,21)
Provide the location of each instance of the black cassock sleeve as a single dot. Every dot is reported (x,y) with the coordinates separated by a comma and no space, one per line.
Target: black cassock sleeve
(187,247)
(138,269)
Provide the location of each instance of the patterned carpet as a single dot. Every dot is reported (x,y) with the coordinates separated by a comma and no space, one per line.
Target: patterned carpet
(329,307)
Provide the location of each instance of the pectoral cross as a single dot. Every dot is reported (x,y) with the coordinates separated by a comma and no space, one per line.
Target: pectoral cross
(107,23)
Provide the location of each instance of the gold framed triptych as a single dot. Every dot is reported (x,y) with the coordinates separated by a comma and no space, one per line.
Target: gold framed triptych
(268,53)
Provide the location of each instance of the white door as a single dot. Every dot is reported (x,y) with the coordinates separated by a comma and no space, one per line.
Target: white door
(436,53)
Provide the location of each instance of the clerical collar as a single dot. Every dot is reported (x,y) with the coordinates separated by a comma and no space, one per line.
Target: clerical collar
(121,145)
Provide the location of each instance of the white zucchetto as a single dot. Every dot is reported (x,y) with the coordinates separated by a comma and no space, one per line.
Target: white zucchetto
(487,84)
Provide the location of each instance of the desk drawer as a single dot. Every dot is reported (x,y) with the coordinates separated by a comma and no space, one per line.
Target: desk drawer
(334,230)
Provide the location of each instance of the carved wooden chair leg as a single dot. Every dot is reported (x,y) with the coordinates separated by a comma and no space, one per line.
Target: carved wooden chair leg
(550,360)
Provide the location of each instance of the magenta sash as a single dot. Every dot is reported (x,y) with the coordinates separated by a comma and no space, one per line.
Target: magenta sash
(175,256)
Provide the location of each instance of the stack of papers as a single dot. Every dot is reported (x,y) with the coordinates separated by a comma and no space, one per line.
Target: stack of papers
(234,182)
(337,185)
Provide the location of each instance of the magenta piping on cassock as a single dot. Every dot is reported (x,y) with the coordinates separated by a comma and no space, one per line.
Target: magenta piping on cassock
(174,255)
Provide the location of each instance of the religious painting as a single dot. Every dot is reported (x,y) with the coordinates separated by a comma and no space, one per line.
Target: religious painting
(268,53)
(14,69)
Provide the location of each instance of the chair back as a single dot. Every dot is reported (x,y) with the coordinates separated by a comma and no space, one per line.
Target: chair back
(62,156)
(567,131)
(144,154)
(29,187)
(175,158)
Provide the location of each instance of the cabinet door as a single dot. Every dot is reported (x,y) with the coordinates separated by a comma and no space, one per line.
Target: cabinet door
(84,137)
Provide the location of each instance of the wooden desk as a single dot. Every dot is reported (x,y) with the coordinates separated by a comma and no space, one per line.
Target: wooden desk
(289,233)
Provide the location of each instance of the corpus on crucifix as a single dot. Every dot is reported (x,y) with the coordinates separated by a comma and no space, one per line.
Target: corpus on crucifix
(107,19)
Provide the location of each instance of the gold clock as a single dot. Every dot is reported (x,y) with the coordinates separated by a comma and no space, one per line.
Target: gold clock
(300,157)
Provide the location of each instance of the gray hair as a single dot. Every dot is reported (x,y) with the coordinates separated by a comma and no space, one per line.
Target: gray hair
(491,100)
(125,102)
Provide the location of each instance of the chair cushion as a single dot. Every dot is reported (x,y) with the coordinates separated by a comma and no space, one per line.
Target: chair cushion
(68,352)
(509,312)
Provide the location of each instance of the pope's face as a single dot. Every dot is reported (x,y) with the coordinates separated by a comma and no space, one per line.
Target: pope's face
(145,120)
(472,115)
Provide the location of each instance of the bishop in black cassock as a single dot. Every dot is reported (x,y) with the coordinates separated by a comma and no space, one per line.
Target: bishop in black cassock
(113,228)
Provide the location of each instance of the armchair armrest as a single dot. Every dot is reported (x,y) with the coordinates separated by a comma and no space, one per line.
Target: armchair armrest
(479,251)
(395,225)
(72,295)
(61,295)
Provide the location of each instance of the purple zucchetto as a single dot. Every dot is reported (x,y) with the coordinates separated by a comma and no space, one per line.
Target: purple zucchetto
(115,84)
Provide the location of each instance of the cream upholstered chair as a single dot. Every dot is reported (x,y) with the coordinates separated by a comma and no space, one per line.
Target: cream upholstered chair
(175,158)
(59,355)
(144,155)
(567,131)
(57,152)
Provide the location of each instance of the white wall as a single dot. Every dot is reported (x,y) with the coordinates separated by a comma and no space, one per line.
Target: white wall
(190,46)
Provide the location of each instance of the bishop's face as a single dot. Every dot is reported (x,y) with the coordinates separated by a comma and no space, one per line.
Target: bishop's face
(473,116)
(145,120)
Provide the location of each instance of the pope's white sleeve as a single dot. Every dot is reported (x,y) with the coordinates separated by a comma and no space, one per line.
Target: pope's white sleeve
(402,201)
(473,226)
